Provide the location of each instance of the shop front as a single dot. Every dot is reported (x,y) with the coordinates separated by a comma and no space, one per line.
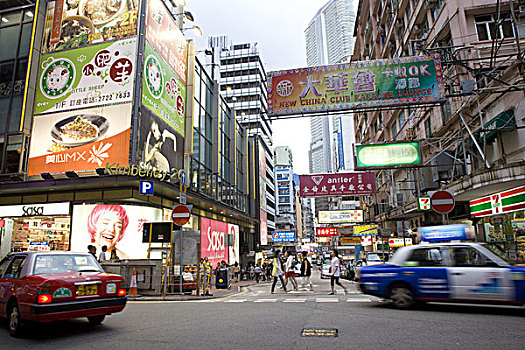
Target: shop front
(45,226)
(500,221)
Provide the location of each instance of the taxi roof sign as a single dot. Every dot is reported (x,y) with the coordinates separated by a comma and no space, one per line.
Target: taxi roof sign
(457,232)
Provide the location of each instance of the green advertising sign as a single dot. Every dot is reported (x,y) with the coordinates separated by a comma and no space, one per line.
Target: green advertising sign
(162,90)
(356,85)
(388,155)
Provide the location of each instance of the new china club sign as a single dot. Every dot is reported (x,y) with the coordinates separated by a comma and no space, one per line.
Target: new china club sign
(214,240)
(323,185)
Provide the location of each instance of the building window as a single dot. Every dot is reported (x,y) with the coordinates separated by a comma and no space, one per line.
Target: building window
(445,112)
(488,29)
(428,127)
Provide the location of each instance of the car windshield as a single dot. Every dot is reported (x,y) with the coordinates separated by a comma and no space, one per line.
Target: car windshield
(61,263)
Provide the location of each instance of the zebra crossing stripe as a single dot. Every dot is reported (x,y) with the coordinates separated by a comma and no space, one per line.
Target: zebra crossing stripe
(360,300)
(235,301)
(326,300)
(265,301)
(294,300)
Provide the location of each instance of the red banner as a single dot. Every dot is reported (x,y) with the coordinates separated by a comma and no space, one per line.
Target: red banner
(342,184)
(326,232)
(214,241)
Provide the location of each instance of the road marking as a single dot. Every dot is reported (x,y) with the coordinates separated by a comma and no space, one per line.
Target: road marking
(360,300)
(326,300)
(294,300)
(202,301)
(265,301)
(235,301)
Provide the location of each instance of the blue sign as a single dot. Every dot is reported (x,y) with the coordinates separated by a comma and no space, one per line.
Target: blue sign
(283,236)
(444,233)
(146,187)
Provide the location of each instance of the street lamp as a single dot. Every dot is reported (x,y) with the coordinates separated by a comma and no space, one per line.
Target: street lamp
(197,30)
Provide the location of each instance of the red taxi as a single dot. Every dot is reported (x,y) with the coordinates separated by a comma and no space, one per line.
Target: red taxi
(51,286)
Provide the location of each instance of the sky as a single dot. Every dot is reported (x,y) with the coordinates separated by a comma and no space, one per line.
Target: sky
(278,28)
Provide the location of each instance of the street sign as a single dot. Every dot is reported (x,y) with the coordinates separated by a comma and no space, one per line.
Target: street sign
(182,199)
(181,215)
(146,187)
(442,202)
(423,203)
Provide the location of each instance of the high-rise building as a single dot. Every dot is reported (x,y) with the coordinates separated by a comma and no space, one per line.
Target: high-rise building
(243,84)
(285,214)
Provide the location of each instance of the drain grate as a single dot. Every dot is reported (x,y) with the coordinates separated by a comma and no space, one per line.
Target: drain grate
(319,332)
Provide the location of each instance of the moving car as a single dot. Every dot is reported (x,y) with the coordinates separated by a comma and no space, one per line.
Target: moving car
(325,271)
(445,272)
(51,286)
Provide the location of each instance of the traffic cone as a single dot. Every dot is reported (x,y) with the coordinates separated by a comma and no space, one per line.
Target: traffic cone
(133,292)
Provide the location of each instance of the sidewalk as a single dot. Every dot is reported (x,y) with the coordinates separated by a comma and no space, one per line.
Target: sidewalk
(235,288)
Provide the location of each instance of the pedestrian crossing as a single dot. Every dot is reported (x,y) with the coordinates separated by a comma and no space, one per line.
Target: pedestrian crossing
(317,300)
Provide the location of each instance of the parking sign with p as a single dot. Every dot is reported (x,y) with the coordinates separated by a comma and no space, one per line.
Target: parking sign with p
(146,187)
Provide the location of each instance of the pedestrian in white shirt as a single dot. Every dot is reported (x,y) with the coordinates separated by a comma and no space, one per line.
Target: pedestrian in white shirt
(102,256)
(335,270)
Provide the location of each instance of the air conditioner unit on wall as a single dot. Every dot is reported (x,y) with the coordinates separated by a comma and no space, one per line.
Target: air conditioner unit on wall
(441,168)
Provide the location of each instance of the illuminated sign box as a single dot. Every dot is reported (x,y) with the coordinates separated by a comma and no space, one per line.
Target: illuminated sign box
(283,236)
(377,156)
(445,233)
(340,216)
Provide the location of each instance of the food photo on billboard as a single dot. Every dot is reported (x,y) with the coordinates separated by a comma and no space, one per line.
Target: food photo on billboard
(75,23)
(118,227)
(80,140)
(160,146)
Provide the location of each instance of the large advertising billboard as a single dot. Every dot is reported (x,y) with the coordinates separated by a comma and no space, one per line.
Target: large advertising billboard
(76,23)
(341,184)
(162,90)
(233,249)
(214,240)
(80,139)
(165,37)
(367,84)
(118,227)
(160,147)
(86,77)
(340,216)
(377,156)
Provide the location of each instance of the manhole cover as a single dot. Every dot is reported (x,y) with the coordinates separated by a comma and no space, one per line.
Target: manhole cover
(319,332)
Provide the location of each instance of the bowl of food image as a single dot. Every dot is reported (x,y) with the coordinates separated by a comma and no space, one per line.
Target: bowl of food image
(74,33)
(79,130)
(101,11)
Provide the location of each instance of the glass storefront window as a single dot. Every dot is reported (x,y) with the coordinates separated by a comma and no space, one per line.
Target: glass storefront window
(505,234)
(10,18)
(8,40)
(4,109)
(47,233)
(13,152)
(16,110)
(25,39)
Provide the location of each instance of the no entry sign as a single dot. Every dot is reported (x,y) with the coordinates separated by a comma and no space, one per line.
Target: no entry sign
(442,202)
(181,215)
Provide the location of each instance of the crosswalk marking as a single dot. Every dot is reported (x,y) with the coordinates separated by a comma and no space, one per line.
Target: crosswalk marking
(265,301)
(294,300)
(326,300)
(235,301)
(358,300)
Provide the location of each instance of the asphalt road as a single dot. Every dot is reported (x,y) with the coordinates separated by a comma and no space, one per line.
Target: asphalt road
(256,319)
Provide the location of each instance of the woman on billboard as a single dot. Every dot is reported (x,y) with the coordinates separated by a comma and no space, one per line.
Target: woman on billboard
(107,225)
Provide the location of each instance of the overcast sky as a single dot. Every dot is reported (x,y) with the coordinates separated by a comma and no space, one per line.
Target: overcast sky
(278,28)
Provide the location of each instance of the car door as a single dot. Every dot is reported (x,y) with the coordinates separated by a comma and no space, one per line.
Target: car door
(4,284)
(475,277)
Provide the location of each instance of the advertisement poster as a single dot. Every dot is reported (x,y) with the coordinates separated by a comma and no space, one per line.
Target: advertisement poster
(366,230)
(160,147)
(117,227)
(80,140)
(233,253)
(75,23)
(340,216)
(166,38)
(341,184)
(367,84)
(388,155)
(214,241)
(283,236)
(86,77)
(264,227)
(162,91)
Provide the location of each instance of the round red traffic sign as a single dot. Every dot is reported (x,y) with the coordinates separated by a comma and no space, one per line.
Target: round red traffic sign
(181,215)
(442,202)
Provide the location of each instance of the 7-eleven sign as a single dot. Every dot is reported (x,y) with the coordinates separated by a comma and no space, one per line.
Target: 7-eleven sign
(423,203)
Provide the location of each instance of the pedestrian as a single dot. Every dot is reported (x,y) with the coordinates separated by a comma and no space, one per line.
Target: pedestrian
(257,271)
(252,272)
(351,270)
(306,271)
(277,271)
(113,255)
(207,277)
(102,256)
(236,271)
(290,270)
(335,270)
(94,251)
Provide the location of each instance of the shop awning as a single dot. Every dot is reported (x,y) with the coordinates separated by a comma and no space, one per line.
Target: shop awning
(503,122)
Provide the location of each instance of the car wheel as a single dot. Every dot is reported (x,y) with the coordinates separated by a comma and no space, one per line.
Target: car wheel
(14,321)
(96,320)
(401,297)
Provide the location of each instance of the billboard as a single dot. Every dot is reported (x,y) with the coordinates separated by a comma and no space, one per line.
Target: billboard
(341,184)
(340,216)
(233,249)
(163,91)
(367,84)
(376,156)
(86,77)
(75,23)
(326,232)
(160,147)
(118,227)
(80,139)
(366,230)
(264,227)
(165,37)
(214,240)
(283,236)
(445,233)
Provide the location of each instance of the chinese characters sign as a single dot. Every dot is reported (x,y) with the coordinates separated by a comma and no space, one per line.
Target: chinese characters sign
(86,77)
(340,216)
(165,37)
(388,155)
(342,184)
(367,84)
(326,232)
(162,91)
